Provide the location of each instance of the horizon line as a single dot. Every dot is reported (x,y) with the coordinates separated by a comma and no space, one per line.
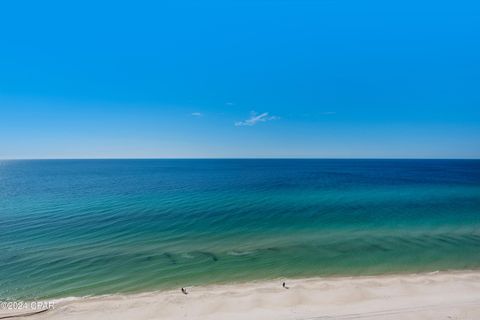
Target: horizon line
(239,158)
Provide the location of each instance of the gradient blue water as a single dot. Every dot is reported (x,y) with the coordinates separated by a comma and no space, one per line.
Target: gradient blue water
(83,227)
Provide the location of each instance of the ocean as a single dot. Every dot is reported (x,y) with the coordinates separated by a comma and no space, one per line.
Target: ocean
(93,227)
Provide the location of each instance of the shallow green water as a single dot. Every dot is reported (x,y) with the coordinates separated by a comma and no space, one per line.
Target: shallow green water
(87,227)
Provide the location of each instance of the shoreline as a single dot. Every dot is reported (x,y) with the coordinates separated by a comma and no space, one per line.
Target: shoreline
(434,295)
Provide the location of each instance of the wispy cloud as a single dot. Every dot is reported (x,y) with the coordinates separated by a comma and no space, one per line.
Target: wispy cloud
(229,103)
(196,114)
(255,118)
(328,112)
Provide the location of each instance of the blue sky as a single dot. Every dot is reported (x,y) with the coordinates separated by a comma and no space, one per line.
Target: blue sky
(240,79)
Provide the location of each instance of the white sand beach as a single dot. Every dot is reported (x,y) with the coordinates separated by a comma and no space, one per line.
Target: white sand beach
(440,295)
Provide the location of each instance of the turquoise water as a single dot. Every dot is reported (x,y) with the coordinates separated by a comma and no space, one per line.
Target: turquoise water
(88,227)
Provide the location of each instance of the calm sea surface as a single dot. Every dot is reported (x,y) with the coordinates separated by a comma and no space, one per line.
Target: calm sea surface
(88,227)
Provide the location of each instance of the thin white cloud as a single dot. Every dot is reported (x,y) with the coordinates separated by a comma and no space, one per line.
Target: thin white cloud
(254,119)
(328,112)
(197,114)
(229,103)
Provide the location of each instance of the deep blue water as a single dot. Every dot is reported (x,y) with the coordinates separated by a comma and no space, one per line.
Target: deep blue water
(83,227)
